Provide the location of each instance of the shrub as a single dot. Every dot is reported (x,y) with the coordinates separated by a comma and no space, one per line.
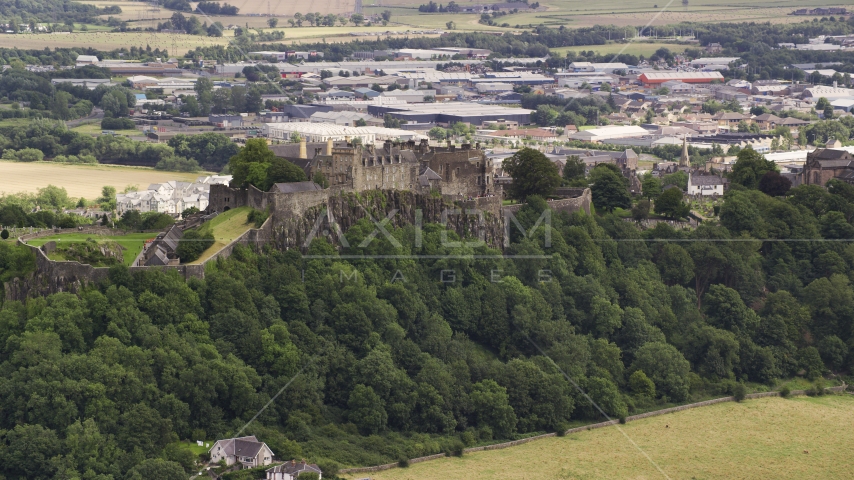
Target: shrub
(24,155)
(785,391)
(819,387)
(329,467)
(117,124)
(739,391)
(193,244)
(258,217)
(403,462)
(4,234)
(561,428)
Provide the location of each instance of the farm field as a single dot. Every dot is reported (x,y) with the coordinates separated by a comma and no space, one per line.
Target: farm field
(632,48)
(112,40)
(281,8)
(80,180)
(225,228)
(803,437)
(132,242)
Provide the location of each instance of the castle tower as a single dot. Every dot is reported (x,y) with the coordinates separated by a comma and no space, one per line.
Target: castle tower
(684,160)
(303,154)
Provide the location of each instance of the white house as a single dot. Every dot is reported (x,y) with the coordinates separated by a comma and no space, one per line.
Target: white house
(292,470)
(247,451)
(171,197)
(706,185)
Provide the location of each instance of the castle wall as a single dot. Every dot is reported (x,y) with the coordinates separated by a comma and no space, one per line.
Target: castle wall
(53,276)
(464,171)
(568,205)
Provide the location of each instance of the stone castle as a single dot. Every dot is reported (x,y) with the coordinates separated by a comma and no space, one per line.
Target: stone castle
(401,183)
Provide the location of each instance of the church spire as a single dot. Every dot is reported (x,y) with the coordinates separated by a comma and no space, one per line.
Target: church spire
(684,160)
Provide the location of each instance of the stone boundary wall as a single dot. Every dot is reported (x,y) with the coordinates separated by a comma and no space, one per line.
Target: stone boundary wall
(53,276)
(594,426)
(568,205)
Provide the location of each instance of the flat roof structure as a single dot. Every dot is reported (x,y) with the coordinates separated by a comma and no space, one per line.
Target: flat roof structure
(452,112)
(655,78)
(321,132)
(609,132)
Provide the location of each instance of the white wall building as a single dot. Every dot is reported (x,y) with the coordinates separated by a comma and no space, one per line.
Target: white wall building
(706,185)
(609,132)
(171,197)
(321,132)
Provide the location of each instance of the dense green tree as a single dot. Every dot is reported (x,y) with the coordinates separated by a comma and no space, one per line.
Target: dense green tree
(366,410)
(666,367)
(609,189)
(670,204)
(533,174)
(490,407)
(575,169)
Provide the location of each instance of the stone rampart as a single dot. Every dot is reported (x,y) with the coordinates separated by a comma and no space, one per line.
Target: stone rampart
(52,276)
(569,205)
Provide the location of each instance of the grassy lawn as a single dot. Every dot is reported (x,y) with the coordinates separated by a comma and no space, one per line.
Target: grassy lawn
(94,128)
(225,227)
(763,438)
(132,243)
(191,446)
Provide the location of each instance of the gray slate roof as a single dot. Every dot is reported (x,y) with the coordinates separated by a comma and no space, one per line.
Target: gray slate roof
(294,468)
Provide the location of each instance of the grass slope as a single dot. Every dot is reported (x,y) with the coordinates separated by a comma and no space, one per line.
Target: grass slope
(80,180)
(763,438)
(225,228)
(132,242)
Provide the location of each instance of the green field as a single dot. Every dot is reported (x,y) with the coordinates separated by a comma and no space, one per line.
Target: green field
(225,228)
(94,128)
(803,437)
(132,242)
(631,48)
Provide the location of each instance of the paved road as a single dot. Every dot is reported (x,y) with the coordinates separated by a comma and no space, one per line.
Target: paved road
(97,114)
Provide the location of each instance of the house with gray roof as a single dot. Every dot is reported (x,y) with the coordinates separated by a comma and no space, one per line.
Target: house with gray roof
(705,185)
(292,470)
(246,451)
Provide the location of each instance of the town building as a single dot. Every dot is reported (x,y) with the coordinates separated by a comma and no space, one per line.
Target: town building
(292,470)
(705,185)
(171,197)
(609,132)
(825,164)
(657,78)
(246,451)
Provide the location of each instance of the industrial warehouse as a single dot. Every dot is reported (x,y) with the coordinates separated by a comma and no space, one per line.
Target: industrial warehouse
(451,113)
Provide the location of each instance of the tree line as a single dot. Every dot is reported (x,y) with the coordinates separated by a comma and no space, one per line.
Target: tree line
(398,359)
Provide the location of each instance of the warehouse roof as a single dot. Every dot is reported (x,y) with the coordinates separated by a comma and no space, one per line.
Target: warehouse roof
(664,76)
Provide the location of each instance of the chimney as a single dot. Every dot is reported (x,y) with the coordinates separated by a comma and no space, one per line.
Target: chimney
(302,151)
(329,147)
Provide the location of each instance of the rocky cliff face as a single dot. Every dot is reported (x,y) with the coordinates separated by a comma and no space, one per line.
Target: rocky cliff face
(340,212)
